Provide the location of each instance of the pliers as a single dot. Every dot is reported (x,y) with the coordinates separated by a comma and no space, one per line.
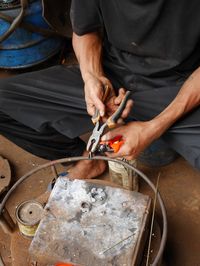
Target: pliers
(99,128)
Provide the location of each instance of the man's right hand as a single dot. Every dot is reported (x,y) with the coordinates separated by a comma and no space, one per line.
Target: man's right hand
(94,91)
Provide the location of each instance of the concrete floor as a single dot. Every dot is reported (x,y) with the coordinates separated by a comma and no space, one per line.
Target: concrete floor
(179,186)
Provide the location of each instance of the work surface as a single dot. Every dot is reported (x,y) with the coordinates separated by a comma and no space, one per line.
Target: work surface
(91,224)
(179,186)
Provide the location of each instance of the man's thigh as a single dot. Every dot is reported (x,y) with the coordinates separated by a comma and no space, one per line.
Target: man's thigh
(52,97)
(184,137)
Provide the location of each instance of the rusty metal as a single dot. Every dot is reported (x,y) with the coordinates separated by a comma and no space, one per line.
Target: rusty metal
(117,228)
(54,171)
(5,174)
(6,222)
(5,226)
(28,215)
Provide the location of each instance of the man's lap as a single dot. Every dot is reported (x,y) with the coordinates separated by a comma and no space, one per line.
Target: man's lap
(55,97)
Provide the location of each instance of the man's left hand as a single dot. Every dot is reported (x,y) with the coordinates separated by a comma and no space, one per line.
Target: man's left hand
(136,135)
(112,104)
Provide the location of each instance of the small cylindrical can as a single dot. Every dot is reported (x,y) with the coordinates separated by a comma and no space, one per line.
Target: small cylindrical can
(28,215)
(124,176)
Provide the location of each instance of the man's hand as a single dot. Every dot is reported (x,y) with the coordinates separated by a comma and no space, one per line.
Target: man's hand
(88,49)
(94,91)
(136,135)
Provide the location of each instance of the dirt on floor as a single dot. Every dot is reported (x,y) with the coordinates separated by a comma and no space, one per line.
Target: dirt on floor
(179,186)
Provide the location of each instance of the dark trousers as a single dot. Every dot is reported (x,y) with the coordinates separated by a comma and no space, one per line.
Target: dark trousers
(44,112)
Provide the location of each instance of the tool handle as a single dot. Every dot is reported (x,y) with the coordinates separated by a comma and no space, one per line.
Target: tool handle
(112,120)
(116,143)
(96,116)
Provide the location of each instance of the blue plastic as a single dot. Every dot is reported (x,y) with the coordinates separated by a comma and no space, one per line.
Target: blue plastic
(24,48)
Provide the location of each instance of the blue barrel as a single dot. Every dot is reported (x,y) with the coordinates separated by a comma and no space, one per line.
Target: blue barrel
(24,48)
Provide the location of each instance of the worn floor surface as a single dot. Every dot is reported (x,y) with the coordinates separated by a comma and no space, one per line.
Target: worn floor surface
(179,186)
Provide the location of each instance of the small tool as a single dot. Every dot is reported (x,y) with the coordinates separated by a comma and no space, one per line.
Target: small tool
(112,145)
(111,122)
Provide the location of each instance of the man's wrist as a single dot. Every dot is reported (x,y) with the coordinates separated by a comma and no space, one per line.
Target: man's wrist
(156,128)
(165,120)
(153,130)
(87,75)
(150,130)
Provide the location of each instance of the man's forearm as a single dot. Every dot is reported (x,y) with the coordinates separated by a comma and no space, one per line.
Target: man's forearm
(187,99)
(88,49)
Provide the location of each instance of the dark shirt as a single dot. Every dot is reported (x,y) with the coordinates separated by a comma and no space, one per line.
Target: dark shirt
(152,36)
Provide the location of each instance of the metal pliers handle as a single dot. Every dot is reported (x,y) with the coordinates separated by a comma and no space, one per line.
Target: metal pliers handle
(96,117)
(112,120)
(98,131)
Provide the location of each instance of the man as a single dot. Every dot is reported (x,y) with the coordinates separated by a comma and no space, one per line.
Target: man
(151,48)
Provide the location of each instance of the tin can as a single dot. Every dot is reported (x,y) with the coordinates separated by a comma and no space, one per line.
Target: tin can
(28,215)
(123,176)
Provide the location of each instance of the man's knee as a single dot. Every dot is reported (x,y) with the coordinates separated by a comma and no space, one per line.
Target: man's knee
(197,162)
(158,154)
(187,145)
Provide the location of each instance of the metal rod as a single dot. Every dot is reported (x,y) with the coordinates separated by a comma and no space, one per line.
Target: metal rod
(121,241)
(152,220)
(54,171)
